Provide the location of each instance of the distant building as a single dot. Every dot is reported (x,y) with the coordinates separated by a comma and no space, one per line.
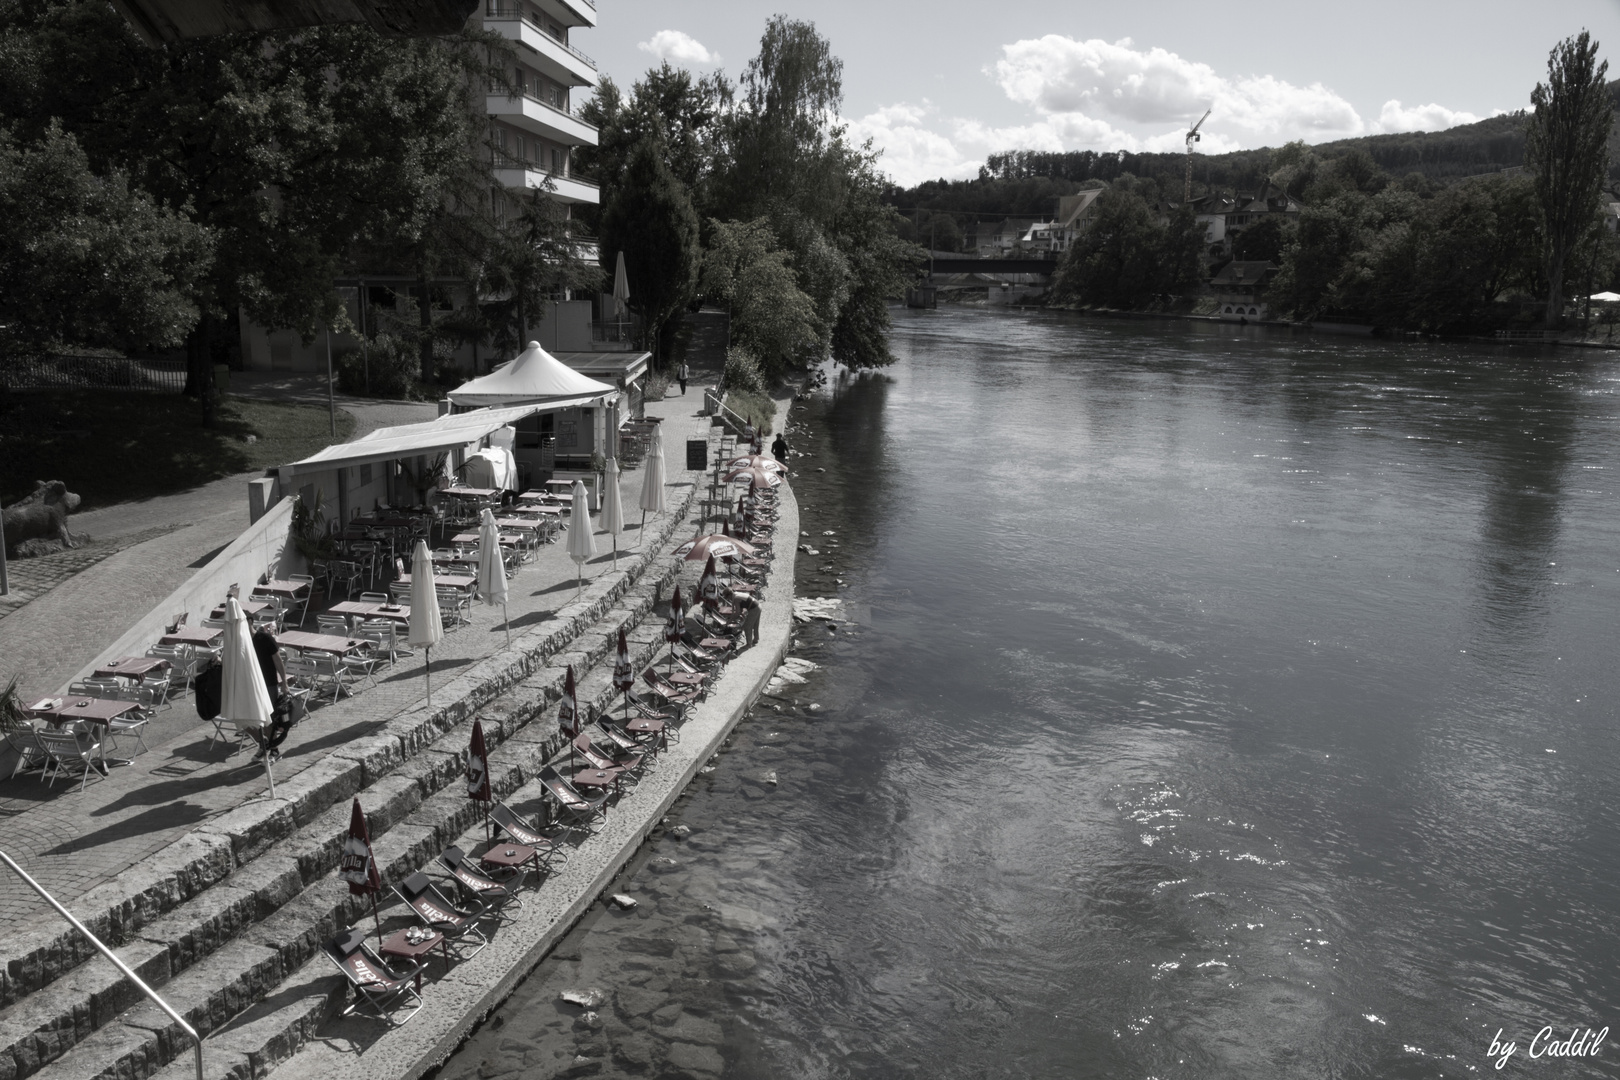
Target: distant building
(1074,216)
(1226,214)
(1240,290)
(1003,239)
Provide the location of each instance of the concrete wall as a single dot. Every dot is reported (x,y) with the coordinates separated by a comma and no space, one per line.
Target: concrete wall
(565,326)
(264,544)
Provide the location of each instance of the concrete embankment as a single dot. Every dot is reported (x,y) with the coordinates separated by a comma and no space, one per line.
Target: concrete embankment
(228,920)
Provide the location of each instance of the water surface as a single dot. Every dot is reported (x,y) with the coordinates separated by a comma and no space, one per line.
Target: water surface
(1219,703)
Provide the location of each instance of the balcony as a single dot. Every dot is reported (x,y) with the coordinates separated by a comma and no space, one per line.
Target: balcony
(542,118)
(558,60)
(516,173)
(571,13)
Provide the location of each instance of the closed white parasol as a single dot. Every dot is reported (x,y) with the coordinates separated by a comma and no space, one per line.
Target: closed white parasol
(427,626)
(652,480)
(244,698)
(492,568)
(612,507)
(581,546)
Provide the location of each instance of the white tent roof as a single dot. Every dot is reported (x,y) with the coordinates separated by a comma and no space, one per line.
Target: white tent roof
(409,440)
(535,375)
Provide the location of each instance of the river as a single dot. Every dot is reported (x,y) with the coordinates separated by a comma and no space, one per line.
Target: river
(1216,702)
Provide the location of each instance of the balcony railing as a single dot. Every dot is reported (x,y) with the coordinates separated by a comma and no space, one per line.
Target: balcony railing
(503,160)
(504,11)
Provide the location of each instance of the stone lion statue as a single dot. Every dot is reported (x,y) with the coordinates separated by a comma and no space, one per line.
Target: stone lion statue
(42,515)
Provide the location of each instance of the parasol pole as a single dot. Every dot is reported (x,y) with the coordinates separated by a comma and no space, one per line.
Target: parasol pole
(427,672)
(376,920)
(506,622)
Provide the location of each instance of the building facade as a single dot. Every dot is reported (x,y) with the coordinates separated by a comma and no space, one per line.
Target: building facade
(534,129)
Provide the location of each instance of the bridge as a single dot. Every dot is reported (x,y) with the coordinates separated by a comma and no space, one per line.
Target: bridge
(968,264)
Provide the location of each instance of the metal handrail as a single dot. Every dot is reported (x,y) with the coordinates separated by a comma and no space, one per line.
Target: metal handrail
(501,11)
(140,984)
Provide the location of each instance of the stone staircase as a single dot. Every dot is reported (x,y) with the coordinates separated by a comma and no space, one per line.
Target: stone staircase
(227,922)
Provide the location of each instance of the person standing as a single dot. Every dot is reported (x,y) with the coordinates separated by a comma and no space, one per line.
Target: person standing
(683,374)
(275,681)
(750,621)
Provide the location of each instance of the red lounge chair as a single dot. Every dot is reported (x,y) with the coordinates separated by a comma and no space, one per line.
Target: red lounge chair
(623,762)
(545,848)
(376,985)
(438,913)
(579,808)
(667,691)
(479,886)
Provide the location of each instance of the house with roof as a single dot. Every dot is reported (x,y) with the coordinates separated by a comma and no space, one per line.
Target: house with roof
(1224,215)
(1240,288)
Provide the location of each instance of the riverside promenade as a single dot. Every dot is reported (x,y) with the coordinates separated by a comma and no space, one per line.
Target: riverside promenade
(220,896)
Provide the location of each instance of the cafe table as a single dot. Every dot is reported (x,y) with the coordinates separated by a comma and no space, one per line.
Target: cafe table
(400,613)
(445,581)
(598,778)
(129,667)
(250,608)
(206,636)
(400,944)
(299,639)
(98,711)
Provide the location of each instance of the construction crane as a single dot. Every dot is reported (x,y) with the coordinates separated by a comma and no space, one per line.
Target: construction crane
(1192,137)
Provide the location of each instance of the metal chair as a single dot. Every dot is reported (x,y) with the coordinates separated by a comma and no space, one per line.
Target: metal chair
(582,811)
(68,750)
(546,850)
(479,886)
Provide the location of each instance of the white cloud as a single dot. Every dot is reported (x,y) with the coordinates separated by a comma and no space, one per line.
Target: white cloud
(1430,117)
(1097,95)
(678,47)
(1061,78)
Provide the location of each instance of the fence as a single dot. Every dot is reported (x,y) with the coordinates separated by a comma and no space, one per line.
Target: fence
(68,372)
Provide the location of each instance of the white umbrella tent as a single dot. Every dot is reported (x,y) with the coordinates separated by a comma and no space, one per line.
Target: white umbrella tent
(427,625)
(580,544)
(534,377)
(492,568)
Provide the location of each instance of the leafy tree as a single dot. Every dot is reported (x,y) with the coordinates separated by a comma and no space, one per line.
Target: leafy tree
(772,319)
(1263,239)
(1132,254)
(649,216)
(1566,148)
(86,260)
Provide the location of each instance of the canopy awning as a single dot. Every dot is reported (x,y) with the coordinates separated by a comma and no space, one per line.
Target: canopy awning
(429,437)
(535,375)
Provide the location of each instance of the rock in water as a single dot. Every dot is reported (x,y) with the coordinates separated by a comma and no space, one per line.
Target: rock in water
(585,999)
(625,902)
(770,778)
(681,832)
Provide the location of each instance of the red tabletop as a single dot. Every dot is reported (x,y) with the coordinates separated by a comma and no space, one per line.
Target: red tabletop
(400,613)
(193,635)
(331,643)
(250,608)
(473,538)
(517,523)
(597,777)
(131,667)
(281,587)
(471,493)
(399,944)
(96,710)
(685,678)
(508,855)
(448,581)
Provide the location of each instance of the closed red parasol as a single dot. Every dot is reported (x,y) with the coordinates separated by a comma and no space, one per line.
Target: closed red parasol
(358,866)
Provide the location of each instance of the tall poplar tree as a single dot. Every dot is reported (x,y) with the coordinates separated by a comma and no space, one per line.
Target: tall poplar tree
(1567,150)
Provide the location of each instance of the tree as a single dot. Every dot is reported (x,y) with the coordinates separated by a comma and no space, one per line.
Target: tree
(771,317)
(649,216)
(1131,254)
(86,260)
(1566,148)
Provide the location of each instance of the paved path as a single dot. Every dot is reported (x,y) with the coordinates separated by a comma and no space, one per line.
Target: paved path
(74,841)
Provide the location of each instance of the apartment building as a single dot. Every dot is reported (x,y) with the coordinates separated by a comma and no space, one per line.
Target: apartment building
(534,131)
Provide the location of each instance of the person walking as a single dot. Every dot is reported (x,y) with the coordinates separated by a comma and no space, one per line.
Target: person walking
(750,620)
(683,374)
(779,448)
(275,681)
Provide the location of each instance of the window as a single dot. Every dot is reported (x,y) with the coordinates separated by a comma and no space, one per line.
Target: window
(365,475)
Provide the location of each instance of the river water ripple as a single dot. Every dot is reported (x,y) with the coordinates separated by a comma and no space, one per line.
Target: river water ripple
(1218,702)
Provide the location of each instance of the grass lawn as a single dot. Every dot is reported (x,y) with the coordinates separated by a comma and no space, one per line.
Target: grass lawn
(112,446)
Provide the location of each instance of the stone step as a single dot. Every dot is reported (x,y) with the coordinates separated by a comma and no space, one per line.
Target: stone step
(287,851)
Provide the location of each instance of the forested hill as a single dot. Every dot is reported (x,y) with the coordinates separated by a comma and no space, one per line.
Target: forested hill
(1027,183)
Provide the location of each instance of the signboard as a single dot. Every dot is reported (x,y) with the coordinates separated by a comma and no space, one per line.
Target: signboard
(697,454)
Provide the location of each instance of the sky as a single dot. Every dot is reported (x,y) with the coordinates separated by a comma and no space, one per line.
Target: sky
(939,86)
